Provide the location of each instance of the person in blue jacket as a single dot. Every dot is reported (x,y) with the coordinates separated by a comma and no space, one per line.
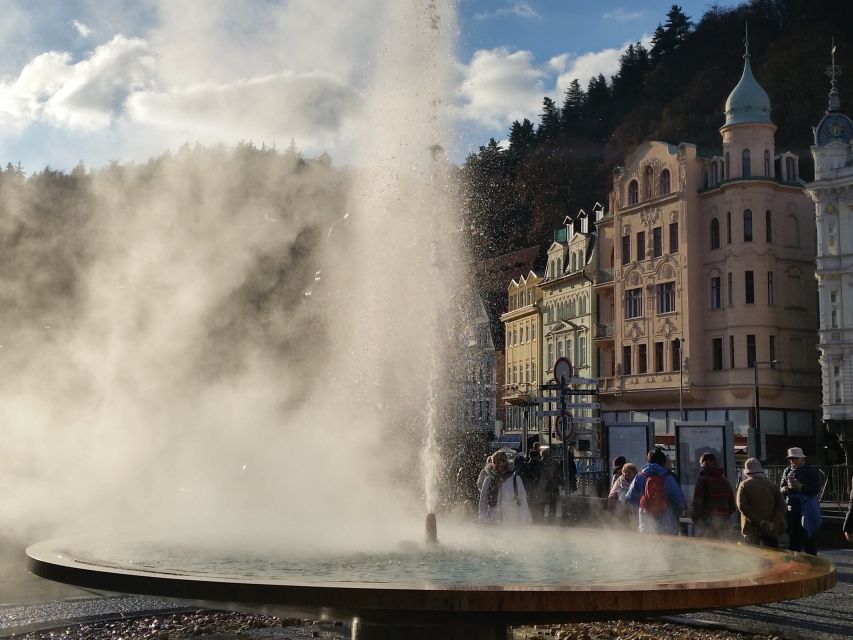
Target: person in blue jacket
(801,483)
(667,522)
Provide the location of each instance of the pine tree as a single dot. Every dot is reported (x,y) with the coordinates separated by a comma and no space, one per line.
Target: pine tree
(522,136)
(549,123)
(597,107)
(571,115)
(669,37)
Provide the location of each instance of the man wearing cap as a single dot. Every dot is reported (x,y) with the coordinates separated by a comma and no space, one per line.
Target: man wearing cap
(761,506)
(800,485)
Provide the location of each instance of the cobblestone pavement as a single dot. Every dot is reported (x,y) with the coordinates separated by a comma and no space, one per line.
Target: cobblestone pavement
(825,616)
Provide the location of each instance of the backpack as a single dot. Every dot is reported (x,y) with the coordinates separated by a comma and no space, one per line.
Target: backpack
(653,500)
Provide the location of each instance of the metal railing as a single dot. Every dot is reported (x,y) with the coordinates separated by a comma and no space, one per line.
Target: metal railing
(837,491)
(603,330)
(836,495)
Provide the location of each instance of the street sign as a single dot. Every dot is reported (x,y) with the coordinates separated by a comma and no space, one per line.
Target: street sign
(562,369)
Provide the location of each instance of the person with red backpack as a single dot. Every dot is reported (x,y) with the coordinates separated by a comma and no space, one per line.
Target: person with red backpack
(657,495)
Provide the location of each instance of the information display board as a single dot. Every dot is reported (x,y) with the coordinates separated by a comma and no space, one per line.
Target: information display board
(633,440)
(692,439)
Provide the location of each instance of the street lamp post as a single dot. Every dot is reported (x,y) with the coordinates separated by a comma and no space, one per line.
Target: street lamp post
(681,378)
(773,364)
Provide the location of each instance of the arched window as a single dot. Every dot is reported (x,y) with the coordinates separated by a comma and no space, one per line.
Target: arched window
(728,227)
(766,163)
(746,163)
(747,226)
(633,192)
(574,264)
(715,173)
(664,182)
(793,230)
(582,306)
(649,179)
(715,234)
(768,226)
(790,169)
(728,164)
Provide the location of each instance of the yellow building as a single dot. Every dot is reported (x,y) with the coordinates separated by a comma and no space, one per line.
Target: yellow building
(706,276)
(523,327)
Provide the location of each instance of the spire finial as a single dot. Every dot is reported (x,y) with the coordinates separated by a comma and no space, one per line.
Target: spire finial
(746,41)
(833,71)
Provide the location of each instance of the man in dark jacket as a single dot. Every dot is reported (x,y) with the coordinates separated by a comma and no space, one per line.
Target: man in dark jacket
(801,483)
(531,475)
(713,500)
(848,520)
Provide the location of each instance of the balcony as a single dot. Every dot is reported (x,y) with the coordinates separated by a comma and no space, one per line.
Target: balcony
(604,276)
(603,331)
(522,393)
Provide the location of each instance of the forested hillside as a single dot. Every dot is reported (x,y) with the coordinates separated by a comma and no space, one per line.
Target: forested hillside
(673,91)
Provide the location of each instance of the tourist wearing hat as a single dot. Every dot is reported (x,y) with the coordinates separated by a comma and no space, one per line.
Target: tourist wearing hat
(800,485)
(847,528)
(761,506)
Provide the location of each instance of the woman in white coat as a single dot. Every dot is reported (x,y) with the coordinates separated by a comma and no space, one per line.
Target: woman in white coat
(502,498)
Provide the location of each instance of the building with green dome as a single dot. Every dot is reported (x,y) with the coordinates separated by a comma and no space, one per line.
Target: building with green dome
(709,265)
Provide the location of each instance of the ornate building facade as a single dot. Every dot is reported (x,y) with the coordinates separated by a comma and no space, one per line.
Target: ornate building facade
(705,286)
(832,193)
(523,326)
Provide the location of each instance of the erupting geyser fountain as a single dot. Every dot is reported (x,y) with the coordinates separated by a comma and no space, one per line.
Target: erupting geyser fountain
(334,551)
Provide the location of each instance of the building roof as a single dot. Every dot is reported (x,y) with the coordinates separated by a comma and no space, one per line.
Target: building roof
(491,278)
(748,103)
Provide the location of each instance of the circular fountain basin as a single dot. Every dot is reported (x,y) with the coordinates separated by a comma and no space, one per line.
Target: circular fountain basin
(527,575)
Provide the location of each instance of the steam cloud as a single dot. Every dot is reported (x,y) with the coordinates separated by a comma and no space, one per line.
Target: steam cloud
(212,343)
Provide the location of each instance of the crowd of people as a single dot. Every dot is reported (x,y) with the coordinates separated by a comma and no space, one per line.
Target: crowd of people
(514,489)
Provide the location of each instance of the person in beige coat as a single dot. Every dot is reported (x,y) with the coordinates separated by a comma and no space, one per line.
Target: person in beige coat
(761,506)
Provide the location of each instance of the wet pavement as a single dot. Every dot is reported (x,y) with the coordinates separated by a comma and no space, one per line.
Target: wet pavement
(30,607)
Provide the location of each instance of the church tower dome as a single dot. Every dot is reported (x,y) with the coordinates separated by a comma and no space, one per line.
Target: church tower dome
(748,102)
(748,133)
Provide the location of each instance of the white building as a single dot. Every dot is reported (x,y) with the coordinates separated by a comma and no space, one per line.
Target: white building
(832,192)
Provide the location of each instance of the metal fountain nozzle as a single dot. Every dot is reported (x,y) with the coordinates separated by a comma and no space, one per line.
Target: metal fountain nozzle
(431,529)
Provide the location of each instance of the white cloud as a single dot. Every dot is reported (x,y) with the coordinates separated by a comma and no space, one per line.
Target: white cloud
(518,9)
(85,95)
(310,107)
(621,15)
(589,65)
(81,28)
(500,86)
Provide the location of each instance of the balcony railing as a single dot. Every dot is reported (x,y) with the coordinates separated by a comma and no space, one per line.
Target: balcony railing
(520,393)
(603,330)
(604,276)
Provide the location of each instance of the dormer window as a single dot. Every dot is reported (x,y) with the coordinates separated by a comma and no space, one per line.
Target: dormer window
(715,174)
(746,163)
(633,192)
(664,182)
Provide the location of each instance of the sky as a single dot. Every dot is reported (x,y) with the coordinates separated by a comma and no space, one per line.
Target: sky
(100,81)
